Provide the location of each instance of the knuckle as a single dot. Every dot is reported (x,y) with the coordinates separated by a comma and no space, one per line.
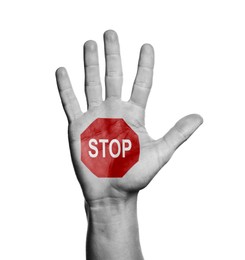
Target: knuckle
(92,83)
(113,73)
(180,131)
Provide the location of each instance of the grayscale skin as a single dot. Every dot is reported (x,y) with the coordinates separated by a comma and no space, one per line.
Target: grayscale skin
(111,203)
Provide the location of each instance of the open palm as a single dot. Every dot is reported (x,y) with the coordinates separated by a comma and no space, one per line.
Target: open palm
(153,153)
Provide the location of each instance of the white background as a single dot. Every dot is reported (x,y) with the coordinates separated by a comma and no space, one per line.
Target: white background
(194,208)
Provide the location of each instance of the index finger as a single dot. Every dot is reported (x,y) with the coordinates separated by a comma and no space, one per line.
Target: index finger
(143,81)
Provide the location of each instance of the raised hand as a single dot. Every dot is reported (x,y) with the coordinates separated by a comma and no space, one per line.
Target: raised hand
(153,153)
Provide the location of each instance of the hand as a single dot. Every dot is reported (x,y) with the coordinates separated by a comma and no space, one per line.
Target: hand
(153,154)
(111,202)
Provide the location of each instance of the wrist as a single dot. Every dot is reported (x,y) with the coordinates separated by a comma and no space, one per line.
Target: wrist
(113,228)
(112,210)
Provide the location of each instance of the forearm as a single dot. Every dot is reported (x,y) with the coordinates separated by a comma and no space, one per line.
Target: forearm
(113,230)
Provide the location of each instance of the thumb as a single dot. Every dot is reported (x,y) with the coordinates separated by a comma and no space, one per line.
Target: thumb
(177,135)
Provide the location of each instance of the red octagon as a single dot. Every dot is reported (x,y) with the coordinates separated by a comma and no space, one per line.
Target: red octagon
(109,147)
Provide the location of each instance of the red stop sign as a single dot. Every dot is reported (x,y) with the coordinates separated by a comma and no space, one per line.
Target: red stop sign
(109,147)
